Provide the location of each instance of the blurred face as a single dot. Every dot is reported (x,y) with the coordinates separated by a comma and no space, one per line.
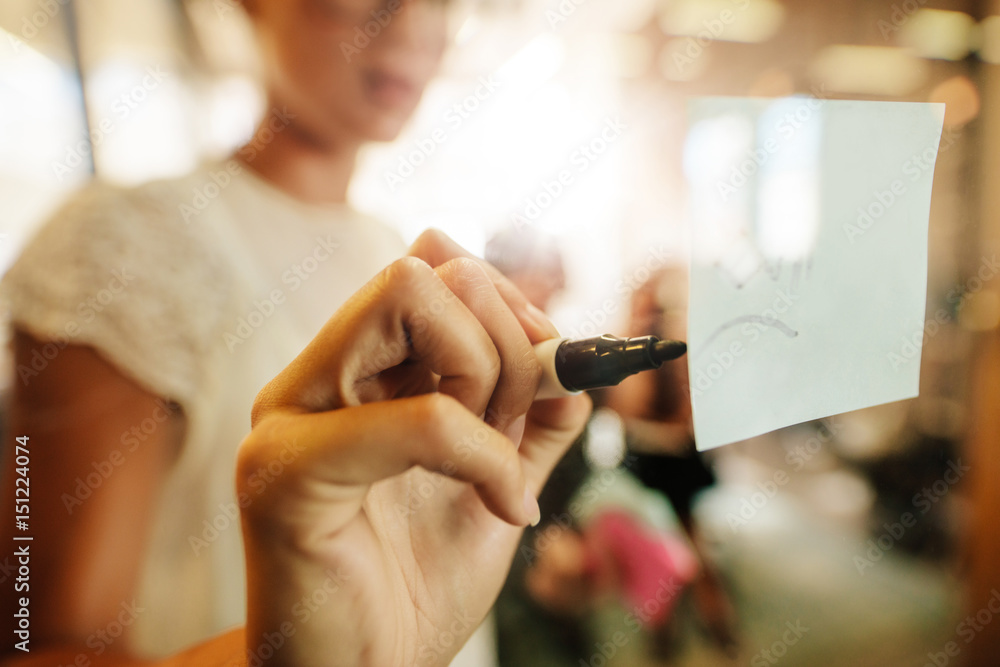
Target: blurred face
(352,70)
(540,284)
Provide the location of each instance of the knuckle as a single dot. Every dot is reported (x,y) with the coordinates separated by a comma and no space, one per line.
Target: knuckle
(426,235)
(410,282)
(438,410)
(437,420)
(465,277)
(429,244)
(254,448)
(271,458)
(404,271)
(264,404)
(432,235)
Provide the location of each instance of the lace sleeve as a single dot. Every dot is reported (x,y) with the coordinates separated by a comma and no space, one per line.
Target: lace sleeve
(121,271)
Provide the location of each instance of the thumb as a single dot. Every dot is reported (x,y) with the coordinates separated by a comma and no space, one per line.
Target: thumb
(551,427)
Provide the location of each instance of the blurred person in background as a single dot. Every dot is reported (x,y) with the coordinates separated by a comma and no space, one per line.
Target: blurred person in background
(145,322)
(532,261)
(529,633)
(584,555)
(656,409)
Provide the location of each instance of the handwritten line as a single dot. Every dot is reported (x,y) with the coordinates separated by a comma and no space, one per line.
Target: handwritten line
(757,319)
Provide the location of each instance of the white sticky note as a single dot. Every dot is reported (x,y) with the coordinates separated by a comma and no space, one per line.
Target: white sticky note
(809,258)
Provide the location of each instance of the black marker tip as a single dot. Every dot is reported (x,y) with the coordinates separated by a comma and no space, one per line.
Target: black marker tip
(665,350)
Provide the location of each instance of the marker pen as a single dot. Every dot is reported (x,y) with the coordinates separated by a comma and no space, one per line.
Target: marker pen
(571,366)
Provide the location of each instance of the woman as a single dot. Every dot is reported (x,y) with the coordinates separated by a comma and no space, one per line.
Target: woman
(147,376)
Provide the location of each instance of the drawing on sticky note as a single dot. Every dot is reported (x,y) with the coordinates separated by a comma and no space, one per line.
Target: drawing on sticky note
(754,319)
(792,313)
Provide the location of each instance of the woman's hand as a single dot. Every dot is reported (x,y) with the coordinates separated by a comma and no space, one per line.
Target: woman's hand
(402,453)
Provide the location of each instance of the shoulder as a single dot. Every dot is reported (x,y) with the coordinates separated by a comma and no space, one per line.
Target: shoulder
(104,225)
(119,269)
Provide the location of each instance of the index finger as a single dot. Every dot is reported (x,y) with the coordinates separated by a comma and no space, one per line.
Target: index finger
(517,382)
(406,312)
(436,248)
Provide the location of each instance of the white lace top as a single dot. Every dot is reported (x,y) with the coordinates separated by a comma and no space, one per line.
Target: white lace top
(201,289)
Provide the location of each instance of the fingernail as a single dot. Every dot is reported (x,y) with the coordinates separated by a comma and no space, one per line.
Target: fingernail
(531,509)
(515,431)
(541,319)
